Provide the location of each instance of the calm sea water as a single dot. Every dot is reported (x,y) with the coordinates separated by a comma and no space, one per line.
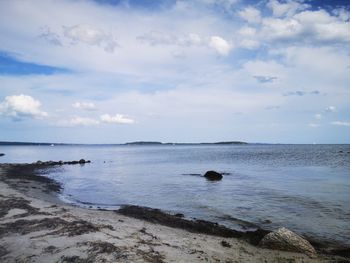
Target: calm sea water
(303,187)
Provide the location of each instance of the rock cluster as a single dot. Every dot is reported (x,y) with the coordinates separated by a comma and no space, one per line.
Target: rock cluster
(81,161)
(286,240)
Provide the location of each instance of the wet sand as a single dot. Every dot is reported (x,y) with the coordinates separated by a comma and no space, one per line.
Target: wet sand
(35,226)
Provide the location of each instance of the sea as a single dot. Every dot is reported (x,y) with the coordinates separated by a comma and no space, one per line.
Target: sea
(305,188)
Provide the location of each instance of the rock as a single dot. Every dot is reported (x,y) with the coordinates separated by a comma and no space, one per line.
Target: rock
(213,176)
(81,161)
(267,221)
(286,240)
(2,154)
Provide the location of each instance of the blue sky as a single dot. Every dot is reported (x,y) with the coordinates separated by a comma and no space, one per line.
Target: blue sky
(112,71)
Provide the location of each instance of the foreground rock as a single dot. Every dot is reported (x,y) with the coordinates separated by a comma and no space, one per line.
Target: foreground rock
(286,240)
(213,176)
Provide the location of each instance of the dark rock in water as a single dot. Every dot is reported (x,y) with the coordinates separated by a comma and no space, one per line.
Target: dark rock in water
(2,154)
(267,221)
(213,176)
(286,240)
(81,161)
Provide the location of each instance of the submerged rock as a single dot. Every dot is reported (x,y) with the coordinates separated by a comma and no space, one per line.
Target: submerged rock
(213,176)
(286,240)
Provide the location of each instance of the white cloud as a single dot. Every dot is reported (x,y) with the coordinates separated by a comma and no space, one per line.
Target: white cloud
(250,14)
(155,38)
(91,36)
(82,121)
(118,118)
(287,8)
(84,106)
(307,26)
(220,45)
(20,106)
(247,31)
(318,116)
(330,109)
(75,121)
(342,13)
(314,125)
(249,44)
(249,39)
(281,29)
(341,123)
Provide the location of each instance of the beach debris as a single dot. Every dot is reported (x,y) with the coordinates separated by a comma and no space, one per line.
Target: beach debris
(8,204)
(2,154)
(57,225)
(157,216)
(213,176)
(286,240)
(225,243)
(179,215)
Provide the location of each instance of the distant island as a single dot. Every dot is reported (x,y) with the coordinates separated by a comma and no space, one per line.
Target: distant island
(128,143)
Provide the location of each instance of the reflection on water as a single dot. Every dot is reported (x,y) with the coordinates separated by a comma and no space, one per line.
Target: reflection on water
(303,187)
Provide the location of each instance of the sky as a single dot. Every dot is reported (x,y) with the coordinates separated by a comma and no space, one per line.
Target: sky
(115,71)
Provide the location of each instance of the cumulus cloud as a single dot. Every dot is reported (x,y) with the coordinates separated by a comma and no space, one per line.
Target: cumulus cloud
(250,14)
(84,106)
(21,106)
(287,8)
(341,123)
(118,118)
(307,26)
(220,45)
(330,109)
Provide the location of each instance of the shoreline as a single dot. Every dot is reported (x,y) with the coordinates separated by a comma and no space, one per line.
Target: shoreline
(35,197)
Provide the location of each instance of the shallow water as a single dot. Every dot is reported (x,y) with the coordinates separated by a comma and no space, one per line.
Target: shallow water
(303,187)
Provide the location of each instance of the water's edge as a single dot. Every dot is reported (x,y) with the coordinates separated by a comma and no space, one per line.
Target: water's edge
(18,175)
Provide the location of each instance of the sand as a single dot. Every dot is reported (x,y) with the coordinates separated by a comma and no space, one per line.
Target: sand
(36,227)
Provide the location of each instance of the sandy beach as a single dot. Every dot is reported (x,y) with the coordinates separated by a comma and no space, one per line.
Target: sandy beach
(35,226)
